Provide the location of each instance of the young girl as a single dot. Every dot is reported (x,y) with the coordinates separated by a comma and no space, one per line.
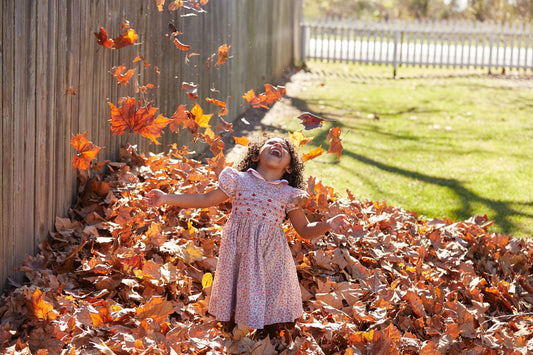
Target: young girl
(256,284)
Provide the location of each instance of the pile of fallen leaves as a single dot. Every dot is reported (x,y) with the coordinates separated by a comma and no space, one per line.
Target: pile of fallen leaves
(118,277)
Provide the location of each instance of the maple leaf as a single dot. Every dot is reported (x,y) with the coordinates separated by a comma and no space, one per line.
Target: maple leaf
(266,99)
(141,119)
(123,78)
(224,126)
(223,54)
(178,118)
(221,104)
(191,89)
(198,115)
(160,4)
(299,138)
(40,308)
(128,37)
(157,308)
(335,144)
(87,151)
(311,121)
(313,153)
(241,140)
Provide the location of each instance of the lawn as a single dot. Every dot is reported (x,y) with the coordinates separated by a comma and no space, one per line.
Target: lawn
(440,142)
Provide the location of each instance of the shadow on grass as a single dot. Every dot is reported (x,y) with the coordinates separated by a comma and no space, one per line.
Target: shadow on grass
(503,209)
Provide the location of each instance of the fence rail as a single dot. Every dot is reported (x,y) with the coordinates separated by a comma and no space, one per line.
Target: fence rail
(423,43)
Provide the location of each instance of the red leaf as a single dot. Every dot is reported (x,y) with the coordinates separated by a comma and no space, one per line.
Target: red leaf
(123,78)
(87,151)
(335,145)
(223,54)
(127,38)
(142,119)
(311,121)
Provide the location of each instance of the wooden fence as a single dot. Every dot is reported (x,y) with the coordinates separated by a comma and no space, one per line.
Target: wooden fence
(56,82)
(423,43)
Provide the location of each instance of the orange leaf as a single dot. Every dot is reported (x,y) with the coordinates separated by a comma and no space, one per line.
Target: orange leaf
(221,104)
(87,151)
(143,120)
(41,308)
(266,99)
(178,118)
(222,54)
(157,308)
(127,38)
(334,139)
(139,58)
(241,140)
(160,4)
(313,153)
(123,78)
(199,117)
(300,138)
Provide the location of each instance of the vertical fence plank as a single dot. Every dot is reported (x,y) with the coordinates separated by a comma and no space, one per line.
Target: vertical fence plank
(8,79)
(3,269)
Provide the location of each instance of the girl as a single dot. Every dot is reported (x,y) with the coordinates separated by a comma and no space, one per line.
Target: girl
(255,283)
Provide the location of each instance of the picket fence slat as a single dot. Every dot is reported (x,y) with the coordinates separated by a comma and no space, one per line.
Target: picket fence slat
(419,43)
(48,46)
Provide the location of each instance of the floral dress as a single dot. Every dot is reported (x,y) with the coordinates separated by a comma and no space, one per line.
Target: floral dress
(256,276)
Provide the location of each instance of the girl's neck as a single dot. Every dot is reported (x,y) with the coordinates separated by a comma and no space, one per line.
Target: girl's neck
(269,174)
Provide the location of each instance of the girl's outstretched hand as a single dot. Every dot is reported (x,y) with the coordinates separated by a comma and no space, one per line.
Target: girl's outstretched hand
(339,223)
(154,197)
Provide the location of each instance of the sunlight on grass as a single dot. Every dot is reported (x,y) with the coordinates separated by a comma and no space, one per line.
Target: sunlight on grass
(431,141)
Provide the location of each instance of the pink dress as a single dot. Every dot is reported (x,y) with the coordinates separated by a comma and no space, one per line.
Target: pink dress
(256,277)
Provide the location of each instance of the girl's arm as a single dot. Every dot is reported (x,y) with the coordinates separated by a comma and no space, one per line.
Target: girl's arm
(310,230)
(194,200)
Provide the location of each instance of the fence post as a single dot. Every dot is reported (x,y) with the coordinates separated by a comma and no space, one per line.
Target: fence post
(304,39)
(395,52)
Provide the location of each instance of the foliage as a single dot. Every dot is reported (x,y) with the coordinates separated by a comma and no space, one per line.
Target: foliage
(479,10)
(118,277)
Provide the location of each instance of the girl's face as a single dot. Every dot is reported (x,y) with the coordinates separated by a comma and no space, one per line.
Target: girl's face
(275,154)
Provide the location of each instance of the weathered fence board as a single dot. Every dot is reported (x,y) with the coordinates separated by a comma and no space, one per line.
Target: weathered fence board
(419,43)
(48,46)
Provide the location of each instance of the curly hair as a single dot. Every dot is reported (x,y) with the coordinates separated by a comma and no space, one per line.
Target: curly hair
(251,160)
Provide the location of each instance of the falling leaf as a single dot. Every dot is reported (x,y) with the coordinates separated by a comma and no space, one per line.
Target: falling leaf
(139,58)
(191,89)
(160,4)
(71,91)
(299,138)
(199,117)
(87,151)
(335,145)
(313,153)
(223,54)
(220,104)
(141,119)
(266,99)
(311,121)
(241,140)
(128,37)
(123,78)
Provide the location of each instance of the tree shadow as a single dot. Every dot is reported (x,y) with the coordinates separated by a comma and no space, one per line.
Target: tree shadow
(503,210)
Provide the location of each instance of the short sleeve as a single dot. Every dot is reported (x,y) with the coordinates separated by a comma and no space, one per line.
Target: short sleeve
(227,181)
(298,199)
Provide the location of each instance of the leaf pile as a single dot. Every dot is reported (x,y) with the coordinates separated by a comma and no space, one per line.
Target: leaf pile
(118,277)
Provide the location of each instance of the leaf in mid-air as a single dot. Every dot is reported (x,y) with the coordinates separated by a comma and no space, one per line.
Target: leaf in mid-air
(311,121)
(141,119)
(313,153)
(128,37)
(266,99)
(87,151)
(335,144)
(123,78)
(191,89)
(223,54)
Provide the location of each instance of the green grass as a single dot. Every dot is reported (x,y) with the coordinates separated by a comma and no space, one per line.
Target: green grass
(448,143)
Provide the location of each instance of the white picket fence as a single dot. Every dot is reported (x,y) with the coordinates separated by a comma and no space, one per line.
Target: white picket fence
(419,43)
